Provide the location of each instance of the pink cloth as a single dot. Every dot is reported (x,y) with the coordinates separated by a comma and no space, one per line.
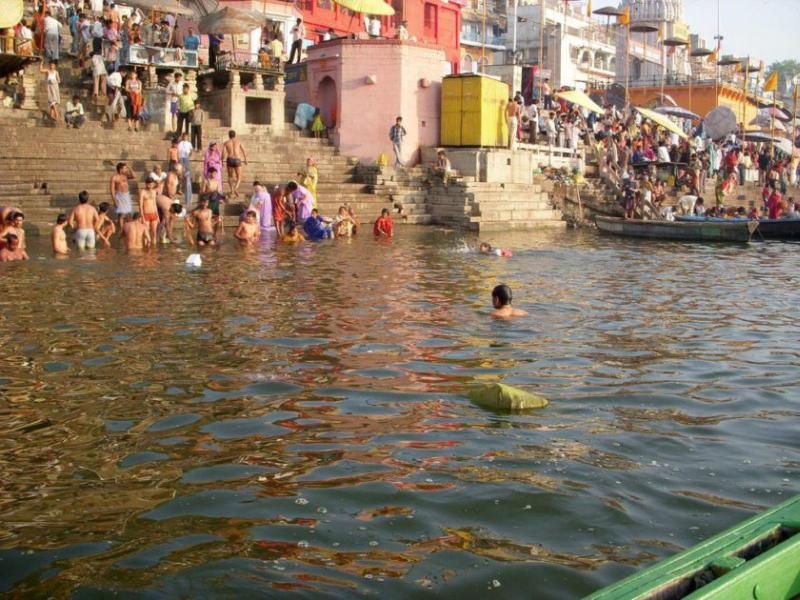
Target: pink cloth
(304,201)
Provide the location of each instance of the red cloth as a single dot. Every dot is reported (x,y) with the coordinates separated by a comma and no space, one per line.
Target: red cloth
(383,226)
(277,207)
(774,205)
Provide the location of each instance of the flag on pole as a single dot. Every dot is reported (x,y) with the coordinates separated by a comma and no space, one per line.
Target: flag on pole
(772,82)
(712,58)
(589,9)
(625,18)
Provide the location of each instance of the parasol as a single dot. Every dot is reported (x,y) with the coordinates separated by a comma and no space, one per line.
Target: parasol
(677,111)
(643,28)
(231,21)
(662,121)
(720,122)
(367,7)
(581,99)
(10,13)
(764,120)
(608,11)
(666,100)
(698,52)
(163,6)
(774,111)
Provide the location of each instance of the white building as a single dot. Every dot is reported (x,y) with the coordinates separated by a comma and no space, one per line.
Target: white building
(578,51)
(651,59)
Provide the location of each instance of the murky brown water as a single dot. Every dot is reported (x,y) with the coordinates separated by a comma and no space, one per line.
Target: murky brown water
(292,419)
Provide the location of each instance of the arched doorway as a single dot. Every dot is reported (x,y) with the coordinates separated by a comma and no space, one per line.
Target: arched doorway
(327,102)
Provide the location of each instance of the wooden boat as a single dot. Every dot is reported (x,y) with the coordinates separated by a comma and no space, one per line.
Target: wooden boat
(706,231)
(758,558)
(768,229)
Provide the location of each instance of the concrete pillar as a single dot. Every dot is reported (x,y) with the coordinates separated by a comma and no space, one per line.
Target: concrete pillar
(30,81)
(235,81)
(152,77)
(191,79)
(258,82)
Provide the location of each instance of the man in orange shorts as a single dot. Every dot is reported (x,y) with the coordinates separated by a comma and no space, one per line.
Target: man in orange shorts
(148,207)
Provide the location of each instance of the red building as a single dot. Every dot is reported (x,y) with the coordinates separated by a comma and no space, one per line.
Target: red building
(435,22)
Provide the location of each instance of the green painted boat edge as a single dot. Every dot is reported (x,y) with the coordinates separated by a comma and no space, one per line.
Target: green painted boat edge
(771,575)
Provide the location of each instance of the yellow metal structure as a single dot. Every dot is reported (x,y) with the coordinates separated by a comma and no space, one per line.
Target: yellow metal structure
(473,111)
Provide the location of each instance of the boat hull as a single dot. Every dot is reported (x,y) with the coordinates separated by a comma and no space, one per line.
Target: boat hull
(710,231)
(758,558)
(768,229)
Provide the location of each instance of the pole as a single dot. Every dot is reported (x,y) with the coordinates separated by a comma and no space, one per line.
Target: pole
(483,45)
(744,89)
(772,134)
(627,66)
(663,66)
(719,50)
(794,116)
(541,44)
(514,43)
(691,71)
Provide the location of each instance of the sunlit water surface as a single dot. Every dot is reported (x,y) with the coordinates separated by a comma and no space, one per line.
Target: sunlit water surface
(292,419)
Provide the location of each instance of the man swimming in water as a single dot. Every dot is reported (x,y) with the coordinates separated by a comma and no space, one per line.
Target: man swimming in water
(501,300)
(11,250)
(485,248)
(84,221)
(136,232)
(58,238)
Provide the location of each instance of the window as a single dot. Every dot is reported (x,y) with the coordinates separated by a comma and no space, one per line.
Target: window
(325,4)
(430,16)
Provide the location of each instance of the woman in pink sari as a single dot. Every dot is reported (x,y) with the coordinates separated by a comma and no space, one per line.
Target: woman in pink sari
(213,158)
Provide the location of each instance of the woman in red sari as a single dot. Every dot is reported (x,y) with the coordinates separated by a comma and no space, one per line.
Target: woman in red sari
(38,26)
(133,86)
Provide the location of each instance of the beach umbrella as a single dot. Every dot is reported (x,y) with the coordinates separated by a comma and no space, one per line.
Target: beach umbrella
(367,7)
(784,146)
(774,111)
(666,99)
(677,111)
(231,21)
(720,122)
(661,120)
(582,100)
(163,6)
(10,13)
(764,120)
(759,136)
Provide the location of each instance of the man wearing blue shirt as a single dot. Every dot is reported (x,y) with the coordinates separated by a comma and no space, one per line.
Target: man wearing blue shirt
(192,40)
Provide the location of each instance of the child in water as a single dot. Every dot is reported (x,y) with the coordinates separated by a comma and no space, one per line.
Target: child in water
(292,234)
(58,238)
(485,248)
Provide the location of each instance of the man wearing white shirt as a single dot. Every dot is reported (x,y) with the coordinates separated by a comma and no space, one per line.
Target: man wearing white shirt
(298,35)
(663,153)
(114,85)
(74,114)
(174,89)
(184,154)
(533,119)
(52,34)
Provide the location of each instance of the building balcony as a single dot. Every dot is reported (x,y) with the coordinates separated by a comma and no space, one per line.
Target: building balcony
(477,41)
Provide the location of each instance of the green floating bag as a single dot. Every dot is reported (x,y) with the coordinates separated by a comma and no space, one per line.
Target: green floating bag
(499,395)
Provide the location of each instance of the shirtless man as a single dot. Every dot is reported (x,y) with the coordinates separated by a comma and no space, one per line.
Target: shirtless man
(105,226)
(13,224)
(248,231)
(512,116)
(12,250)
(84,221)
(233,154)
(120,193)
(148,207)
(201,219)
(501,300)
(58,238)
(136,234)
(5,214)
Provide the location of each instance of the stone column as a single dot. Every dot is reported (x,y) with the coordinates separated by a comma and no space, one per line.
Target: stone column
(235,81)
(191,79)
(152,76)
(29,82)
(258,82)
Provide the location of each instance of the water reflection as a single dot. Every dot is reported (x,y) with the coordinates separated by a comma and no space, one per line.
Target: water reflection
(293,418)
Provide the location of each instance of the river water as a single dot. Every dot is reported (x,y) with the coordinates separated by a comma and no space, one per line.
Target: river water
(292,419)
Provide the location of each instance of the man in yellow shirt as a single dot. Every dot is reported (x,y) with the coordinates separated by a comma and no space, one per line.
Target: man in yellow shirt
(185,108)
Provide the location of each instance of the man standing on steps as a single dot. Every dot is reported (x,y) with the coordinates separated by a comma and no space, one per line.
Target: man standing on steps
(396,134)
(298,35)
(214,42)
(185,106)
(174,88)
(233,154)
(512,117)
(198,116)
(52,37)
(184,156)
(120,193)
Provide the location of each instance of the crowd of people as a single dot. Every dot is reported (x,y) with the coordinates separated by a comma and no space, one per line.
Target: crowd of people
(659,172)
(288,212)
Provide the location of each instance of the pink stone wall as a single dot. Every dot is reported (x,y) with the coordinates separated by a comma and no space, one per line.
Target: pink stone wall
(365,111)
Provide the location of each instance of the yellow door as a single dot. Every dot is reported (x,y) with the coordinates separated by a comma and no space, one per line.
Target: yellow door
(451,111)
(471,110)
